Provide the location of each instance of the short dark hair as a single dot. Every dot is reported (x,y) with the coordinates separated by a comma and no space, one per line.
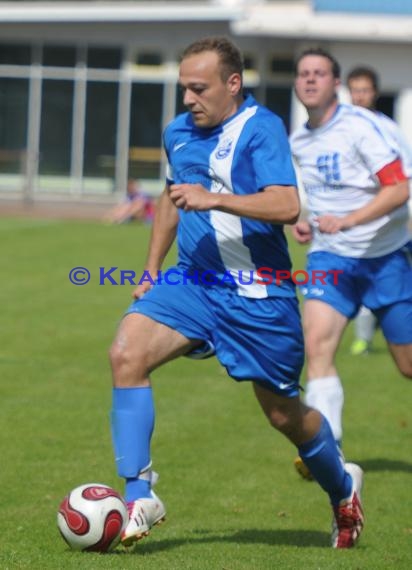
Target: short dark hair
(230,58)
(363,71)
(336,71)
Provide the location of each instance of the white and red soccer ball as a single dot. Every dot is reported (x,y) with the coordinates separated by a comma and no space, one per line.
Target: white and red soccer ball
(92,517)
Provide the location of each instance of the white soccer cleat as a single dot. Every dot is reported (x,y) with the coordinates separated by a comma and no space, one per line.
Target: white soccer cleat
(143,515)
(348,518)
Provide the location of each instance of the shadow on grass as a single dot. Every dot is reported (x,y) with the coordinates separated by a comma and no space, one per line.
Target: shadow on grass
(299,538)
(382,464)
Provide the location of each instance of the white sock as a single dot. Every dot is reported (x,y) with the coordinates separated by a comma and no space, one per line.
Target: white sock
(326,395)
(365,324)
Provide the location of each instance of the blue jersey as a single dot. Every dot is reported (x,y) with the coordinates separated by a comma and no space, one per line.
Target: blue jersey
(243,155)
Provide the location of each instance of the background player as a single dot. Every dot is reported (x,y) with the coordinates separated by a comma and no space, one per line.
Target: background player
(230,188)
(357,197)
(363,85)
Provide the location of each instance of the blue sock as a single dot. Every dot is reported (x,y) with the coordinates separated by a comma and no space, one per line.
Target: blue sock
(136,488)
(132,427)
(321,456)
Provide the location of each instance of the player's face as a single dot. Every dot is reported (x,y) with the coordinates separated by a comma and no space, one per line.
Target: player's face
(362,92)
(209,98)
(315,84)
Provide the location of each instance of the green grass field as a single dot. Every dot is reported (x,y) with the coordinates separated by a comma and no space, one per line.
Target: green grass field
(234,501)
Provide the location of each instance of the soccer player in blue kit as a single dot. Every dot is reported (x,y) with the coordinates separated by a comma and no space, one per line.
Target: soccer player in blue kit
(230,188)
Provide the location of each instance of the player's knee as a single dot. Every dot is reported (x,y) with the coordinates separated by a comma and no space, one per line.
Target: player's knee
(281,421)
(127,367)
(115,355)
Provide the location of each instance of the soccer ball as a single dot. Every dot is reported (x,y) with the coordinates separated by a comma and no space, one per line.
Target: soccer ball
(92,517)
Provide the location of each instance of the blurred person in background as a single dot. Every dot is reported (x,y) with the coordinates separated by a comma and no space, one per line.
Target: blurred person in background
(137,206)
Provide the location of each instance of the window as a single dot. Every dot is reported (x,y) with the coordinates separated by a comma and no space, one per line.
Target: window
(249,62)
(146,130)
(15,54)
(59,56)
(282,65)
(101,125)
(278,93)
(56,127)
(104,58)
(149,58)
(180,108)
(278,100)
(13,124)
(385,104)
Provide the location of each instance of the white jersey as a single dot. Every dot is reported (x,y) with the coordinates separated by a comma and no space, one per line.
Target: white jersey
(395,132)
(338,162)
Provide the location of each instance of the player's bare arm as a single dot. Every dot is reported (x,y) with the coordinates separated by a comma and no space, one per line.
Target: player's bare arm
(275,204)
(387,199)
(162,237)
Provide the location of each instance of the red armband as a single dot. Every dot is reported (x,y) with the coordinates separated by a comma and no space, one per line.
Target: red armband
(392,173)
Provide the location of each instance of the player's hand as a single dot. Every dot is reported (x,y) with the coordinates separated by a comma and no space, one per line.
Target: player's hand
(142,289)
(302,232)
(189,197)
(329,224)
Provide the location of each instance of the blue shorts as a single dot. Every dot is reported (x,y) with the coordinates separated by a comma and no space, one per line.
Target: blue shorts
(383,284)
(254,339)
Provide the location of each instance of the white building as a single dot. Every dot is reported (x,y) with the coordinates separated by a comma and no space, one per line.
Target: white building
(86,88)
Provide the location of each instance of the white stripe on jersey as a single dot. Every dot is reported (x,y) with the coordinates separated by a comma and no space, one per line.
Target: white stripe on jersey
(229,227)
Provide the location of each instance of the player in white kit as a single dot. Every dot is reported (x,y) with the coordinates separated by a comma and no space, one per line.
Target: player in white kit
(357,195)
